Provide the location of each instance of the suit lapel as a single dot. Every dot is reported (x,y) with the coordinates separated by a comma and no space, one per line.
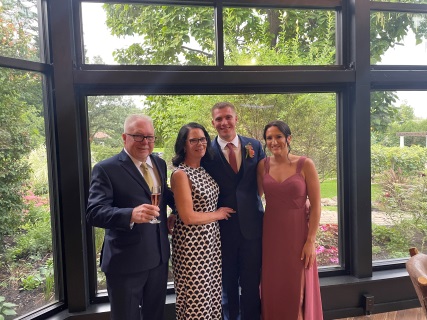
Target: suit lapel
(243,154)
(133,171)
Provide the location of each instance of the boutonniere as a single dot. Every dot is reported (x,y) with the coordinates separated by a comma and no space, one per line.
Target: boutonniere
(249,151)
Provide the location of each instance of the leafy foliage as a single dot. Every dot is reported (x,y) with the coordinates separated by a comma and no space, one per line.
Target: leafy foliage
(389,28)
(106,117)
(408,160)
(19,29)
(6,308)
(404,201)
(14,145)
(34,236)
(39,179)
(20,109)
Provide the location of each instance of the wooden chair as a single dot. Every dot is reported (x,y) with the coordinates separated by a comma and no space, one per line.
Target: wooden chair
(417,269)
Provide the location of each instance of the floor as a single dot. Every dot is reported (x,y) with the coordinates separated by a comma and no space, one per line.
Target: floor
(409,314)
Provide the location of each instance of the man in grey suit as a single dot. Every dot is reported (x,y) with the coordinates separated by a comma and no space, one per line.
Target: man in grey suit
(135,252)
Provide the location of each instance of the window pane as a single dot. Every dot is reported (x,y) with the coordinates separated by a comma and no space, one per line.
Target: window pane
(26,259)
(398,38)
(254,36)
(398,164)
(19,31)
(311,116)
(136,34)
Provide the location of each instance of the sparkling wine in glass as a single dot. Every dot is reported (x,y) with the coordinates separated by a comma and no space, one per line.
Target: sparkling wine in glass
(156,192)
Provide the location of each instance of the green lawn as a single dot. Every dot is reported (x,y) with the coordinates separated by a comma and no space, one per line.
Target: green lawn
(328,188)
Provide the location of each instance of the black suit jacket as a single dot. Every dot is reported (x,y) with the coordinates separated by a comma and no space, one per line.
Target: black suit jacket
(239,191)
(117,187)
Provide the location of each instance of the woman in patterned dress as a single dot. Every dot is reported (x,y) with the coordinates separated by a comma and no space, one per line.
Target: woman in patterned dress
(196,246)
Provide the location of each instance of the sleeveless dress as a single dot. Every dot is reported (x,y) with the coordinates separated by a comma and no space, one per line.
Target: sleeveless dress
(196,254)
(284,234)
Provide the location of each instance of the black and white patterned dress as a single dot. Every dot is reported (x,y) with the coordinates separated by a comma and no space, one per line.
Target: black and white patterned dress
(196,254)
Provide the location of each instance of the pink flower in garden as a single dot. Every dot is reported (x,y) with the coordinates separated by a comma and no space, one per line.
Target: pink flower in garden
(324,227)
(37,201)
(320,249)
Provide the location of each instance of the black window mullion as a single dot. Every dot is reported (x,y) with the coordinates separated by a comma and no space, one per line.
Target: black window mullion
(219,34)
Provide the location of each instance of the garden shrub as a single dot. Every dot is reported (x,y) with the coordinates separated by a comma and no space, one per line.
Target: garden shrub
(100,152)
(39,179)
(34,235)
(404,201)
(390,241)
(408,160)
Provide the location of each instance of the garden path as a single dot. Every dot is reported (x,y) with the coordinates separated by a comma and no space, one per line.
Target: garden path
(330,216)
(378,218)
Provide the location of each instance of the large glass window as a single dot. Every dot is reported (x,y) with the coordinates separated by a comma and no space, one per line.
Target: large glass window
(19,30)
(27,279)
(311,117)
(254,36)
(399,169)
(148,34)
(398,38)
(136,34)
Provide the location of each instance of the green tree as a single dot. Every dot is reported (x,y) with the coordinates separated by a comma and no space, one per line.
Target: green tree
(19,29)
(184,35)
(20,105)
(15,121)
(383,113)
(106,117)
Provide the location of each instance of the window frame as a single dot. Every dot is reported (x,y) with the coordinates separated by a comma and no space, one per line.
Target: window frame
(67,82)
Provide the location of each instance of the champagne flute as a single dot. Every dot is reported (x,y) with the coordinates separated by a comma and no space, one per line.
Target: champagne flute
(156,192)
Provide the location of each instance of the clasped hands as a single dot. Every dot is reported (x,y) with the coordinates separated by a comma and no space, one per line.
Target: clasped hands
(144,213)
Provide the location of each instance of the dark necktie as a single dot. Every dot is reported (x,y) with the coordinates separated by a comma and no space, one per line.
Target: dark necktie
(232,157)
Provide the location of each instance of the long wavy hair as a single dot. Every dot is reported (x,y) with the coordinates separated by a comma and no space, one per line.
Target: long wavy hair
(181,139)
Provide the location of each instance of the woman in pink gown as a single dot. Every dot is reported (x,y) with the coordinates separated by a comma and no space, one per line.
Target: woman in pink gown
(289,283)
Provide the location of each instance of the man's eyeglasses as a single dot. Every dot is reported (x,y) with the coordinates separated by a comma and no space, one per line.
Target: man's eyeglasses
(141,137)
(195,141)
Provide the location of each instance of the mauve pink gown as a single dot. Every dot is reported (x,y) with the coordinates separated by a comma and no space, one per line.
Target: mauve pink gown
(284,233)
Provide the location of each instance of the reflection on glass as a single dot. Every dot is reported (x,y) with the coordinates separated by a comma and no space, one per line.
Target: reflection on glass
(136,34)
(254,36)
(19,32)
(398,38)
(312,117)
(26,259)
(398,165)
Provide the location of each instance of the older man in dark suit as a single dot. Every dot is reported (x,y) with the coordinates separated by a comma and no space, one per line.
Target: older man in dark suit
(135,251)
(234,168)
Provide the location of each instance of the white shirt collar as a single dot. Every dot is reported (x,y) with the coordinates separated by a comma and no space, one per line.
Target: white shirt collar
(138,163)
(222,143)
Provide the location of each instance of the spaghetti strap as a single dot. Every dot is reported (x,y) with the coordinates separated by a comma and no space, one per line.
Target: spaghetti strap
(300,164)
(266,165)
